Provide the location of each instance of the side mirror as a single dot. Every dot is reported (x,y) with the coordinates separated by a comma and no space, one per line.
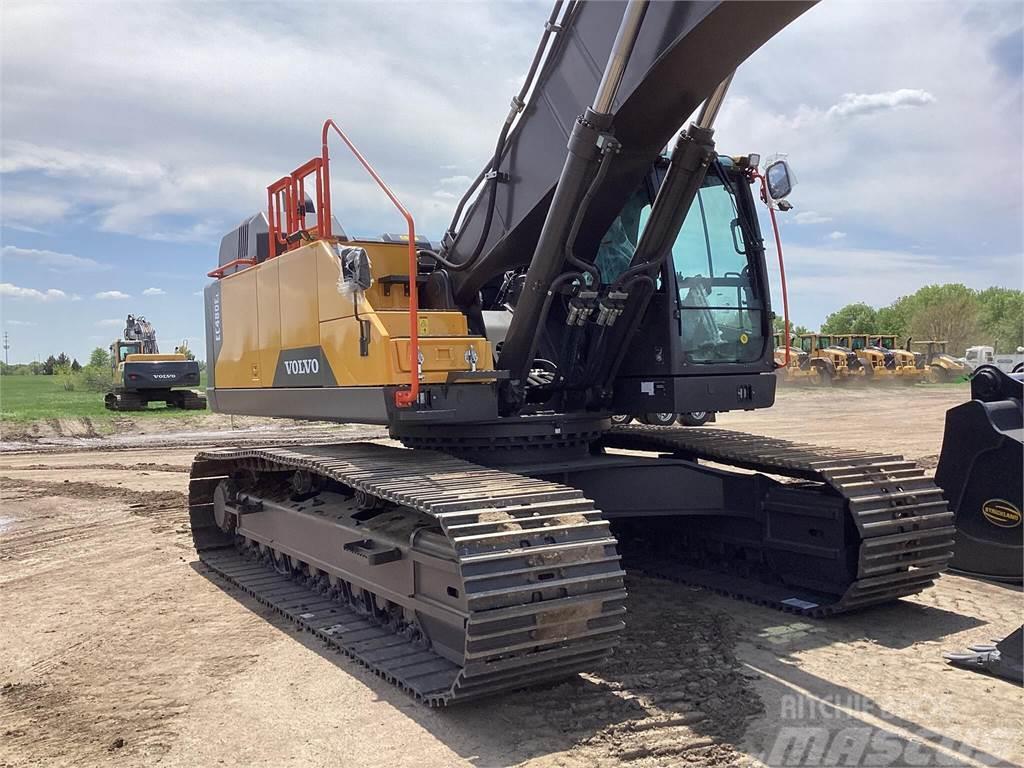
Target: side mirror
(780,180)
(356,272)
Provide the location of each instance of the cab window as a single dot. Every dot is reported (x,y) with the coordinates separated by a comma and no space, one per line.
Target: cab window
(721,306)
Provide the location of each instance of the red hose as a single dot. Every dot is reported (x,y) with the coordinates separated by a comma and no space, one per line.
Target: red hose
(782,266)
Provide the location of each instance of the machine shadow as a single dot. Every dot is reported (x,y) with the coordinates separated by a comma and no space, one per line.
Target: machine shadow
(675,677)
(490,732)
(810,720)
(804,712)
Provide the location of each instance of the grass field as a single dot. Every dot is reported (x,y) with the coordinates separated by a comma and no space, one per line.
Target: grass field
(26,399)
(35,398)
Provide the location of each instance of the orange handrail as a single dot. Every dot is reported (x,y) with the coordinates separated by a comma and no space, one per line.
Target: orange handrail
(403,397)
(219,271)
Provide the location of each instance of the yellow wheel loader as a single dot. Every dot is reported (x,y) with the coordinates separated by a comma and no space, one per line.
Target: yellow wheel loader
(910,367)
(799,369)
(941,366)
(881,360)
(835,364)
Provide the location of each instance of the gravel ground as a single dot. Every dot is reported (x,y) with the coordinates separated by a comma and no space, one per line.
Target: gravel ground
(118,649)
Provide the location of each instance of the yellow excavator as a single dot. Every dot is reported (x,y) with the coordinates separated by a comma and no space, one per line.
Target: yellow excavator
(143,375)
(585,274)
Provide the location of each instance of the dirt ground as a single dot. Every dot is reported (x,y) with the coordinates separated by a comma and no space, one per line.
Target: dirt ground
(117,649)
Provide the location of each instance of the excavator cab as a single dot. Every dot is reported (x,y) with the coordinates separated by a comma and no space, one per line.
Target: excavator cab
(710,311)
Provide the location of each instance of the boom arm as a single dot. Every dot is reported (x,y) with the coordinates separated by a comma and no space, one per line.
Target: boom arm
(683,51)
(140,329)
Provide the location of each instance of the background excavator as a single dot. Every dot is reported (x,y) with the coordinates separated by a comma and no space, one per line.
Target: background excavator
(142,375)
(586,273)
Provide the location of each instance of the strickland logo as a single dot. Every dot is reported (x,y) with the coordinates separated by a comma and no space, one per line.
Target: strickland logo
(299,367)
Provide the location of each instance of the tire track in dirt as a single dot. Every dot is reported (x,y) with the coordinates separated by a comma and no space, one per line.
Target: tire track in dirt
(167,510)
(143,467)
(98,685)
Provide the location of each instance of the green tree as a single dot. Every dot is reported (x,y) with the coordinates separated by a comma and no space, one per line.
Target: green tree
(853,318)
(778,326)
(895,318)
(1001,317)
(99,358)
(75,365)
(944,313)
(48,365)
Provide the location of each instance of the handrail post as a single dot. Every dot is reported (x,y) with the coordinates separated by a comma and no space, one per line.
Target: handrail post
(403,397)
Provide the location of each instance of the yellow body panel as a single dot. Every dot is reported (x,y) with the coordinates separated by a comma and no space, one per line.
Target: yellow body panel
(300,312)
(238,364)
(293,302)
(268,310)
(430,323)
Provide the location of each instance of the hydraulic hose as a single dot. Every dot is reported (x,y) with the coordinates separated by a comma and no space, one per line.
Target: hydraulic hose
(577,222)
(518,104)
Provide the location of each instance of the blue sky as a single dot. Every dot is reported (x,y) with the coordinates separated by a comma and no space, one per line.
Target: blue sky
(133,135)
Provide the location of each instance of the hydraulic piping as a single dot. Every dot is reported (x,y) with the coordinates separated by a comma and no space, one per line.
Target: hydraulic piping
(549,255)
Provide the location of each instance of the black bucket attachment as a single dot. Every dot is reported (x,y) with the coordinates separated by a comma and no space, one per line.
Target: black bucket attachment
(980,474)
(1004,658)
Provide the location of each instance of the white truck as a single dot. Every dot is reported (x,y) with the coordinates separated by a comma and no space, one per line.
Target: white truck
(985,355)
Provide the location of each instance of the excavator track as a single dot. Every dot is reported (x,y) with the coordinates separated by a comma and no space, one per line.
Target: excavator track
(534,564)
(124,401)
(904,525)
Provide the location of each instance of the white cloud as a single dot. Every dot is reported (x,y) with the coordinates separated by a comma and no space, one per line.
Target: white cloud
(54,261)
(186,143)
(111,322)
(811,217)
(112,295)
(455,181)
(31,294)
(21,156)
(197,293)
(19,322)
(884,162)
(836,235)
(444,194)
(154,292)
(28,210)
(866,103)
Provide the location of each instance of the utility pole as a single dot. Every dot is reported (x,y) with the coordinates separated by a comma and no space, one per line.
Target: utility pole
(7,346)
